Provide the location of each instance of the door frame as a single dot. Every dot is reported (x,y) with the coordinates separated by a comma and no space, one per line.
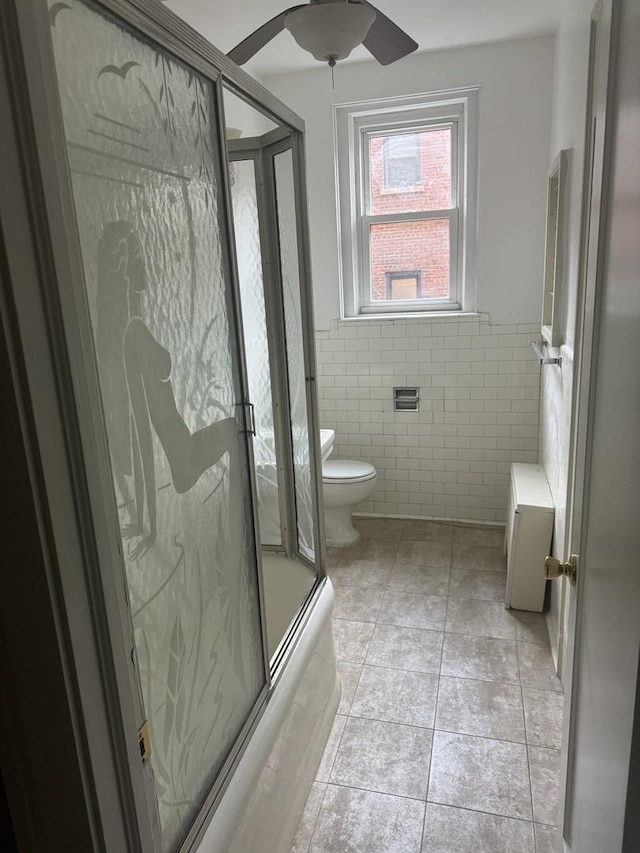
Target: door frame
(595,184)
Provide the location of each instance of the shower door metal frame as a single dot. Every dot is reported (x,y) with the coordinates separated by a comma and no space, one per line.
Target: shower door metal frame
(251,150)
(33,87)
(276,146)
(262,151)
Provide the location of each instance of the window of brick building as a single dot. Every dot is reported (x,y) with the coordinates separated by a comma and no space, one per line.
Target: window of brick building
(401,161)
(403,285)
(406,182)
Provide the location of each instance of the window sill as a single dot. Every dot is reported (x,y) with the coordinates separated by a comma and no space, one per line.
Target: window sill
(414,188)
(414,315)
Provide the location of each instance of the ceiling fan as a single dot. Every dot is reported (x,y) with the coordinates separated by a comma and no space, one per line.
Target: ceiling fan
(330,29)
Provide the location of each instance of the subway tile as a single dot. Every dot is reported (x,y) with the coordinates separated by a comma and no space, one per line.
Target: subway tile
(457,343)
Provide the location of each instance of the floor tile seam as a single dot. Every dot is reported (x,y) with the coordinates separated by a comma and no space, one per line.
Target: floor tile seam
(483,811)
(528,756)
(471,734)
(433,739)
(376,791)
(421,565)
(337,750)
(481,680)
(420,594)
(355,692)
(525,726)
(484,737)
(315,823)
(533,643)
(345,619)
(394,723)
(407,627)
(358,621)
(550,748)
(515,684)
(472,598)
(483,636)
(403,669)
(412,627)
(397,669)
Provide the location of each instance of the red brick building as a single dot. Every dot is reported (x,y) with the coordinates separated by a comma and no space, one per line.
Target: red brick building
(410,173)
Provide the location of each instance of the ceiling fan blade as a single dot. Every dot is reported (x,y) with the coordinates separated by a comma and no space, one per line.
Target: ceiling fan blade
(385,41)
(248,47)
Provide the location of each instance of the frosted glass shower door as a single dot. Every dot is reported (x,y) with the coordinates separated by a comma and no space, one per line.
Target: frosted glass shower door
(244,195)
(144,156)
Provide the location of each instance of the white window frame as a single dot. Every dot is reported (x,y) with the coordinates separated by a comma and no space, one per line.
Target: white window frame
(354,125)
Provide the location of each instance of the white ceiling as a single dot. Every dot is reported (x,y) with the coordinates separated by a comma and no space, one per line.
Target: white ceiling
(434,24)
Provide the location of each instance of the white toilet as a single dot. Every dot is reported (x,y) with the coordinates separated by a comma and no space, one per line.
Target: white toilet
(345,483)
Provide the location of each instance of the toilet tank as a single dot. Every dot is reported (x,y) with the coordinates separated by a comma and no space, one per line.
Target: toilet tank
(327,437)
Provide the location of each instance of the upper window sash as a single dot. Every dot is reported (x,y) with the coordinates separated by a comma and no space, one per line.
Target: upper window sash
(363,156)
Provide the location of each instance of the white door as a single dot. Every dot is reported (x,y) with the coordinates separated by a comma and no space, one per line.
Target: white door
(606,497)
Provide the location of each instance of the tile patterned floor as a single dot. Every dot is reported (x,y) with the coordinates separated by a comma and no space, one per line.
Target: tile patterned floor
(448,735)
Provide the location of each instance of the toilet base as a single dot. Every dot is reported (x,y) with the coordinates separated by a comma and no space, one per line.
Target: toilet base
(340,532)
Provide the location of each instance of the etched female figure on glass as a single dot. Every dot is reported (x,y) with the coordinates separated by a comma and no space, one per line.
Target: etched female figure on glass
(138,395)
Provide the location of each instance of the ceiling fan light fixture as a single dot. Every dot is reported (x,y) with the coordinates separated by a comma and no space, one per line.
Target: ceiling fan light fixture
(330,30)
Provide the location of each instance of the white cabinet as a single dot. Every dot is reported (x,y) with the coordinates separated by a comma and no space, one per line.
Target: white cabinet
(528,536)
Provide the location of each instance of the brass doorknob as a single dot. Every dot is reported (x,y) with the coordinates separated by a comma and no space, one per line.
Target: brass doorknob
(554,568)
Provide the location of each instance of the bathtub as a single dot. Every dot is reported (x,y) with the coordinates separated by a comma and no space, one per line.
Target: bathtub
(262,806)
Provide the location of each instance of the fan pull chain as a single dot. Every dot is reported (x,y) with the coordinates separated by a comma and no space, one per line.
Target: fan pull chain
(332,65)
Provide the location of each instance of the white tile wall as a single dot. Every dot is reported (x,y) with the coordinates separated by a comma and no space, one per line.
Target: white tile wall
(479,397)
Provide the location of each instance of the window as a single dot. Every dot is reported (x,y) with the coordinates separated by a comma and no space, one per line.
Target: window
(401,161)
(403,285)
(406,188)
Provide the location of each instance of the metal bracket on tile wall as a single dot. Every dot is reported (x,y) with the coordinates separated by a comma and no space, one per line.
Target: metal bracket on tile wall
(536,346)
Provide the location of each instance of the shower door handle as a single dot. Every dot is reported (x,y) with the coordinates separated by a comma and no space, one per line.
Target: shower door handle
(250,418)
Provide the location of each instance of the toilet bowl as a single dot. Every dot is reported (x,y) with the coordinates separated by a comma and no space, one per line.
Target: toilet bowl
(345,483)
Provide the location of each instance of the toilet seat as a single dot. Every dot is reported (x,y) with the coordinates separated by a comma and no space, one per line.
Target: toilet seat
(346,471)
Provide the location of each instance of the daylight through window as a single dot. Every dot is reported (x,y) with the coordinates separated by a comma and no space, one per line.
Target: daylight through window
(406,180)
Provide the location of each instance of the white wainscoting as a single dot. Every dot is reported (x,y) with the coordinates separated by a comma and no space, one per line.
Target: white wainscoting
(479,399)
